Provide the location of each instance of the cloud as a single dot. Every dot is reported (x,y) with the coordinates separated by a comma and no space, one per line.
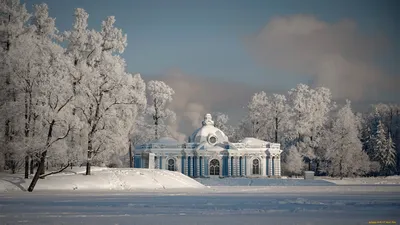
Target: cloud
(197,95)
(335,55)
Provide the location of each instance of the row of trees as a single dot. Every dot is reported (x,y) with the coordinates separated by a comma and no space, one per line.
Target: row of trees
(66,98)
(318,135)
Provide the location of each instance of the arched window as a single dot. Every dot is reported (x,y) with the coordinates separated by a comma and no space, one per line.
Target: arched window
(214,167)
(256,167)
(171,164)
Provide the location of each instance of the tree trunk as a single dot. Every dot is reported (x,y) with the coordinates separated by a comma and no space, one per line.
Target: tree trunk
(43,169)
(37,174)
(89,154)
(42,158)
(26,167)
(156,118)
(276,129)
(31,166)
(341,170)
(130,155)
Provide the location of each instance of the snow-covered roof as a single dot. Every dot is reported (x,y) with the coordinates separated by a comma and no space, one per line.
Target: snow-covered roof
(253,141)
(165,141)
(207,131)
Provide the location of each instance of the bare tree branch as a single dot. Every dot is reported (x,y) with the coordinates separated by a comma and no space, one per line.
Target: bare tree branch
(60,138)
(55,172)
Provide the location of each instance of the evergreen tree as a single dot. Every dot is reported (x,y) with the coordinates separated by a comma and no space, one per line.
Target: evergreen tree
(384,151)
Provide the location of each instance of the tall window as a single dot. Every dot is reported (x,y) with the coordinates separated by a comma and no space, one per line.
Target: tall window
(256,167)
(171,164)
(214,167)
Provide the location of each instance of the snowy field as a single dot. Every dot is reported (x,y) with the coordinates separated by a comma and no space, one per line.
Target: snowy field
(102,179)
(249,208)
(319,181)
(262,182)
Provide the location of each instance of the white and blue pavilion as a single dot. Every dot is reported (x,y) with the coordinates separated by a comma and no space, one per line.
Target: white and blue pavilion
(209,153)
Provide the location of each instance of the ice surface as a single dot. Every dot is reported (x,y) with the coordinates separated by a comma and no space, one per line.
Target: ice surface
(246,208)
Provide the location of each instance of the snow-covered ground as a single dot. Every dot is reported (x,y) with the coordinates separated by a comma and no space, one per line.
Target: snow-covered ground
(363,180)
(262,182)
(102,179)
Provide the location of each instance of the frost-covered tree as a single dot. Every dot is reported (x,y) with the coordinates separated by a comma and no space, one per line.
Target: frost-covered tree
(160,94)
(13,29)
(257,116)
(108,98)
(389,116)
(344,153)
(141,133)
(279,111)
(242,129)
(294,161)
(221,122)
(309,116)
(384,150)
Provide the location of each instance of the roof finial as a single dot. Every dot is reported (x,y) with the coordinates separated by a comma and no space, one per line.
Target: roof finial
(208,120)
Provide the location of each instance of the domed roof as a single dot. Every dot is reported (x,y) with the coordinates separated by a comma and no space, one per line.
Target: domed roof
(208,133)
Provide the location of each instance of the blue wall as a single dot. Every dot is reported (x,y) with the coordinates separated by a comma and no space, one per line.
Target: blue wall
(225,165)
(183,165)
(240,166)
(231,166)
(189,165)
(138,162)
(195,166)
(245,166)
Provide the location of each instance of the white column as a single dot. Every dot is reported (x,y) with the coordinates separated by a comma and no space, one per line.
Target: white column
(237,166)
(186,166)
(191,167)
(178,163)
(229,166)
(204,166)
(248,165)
(277,167)
(243,166)
(234,166)
(270,166)
(263,166)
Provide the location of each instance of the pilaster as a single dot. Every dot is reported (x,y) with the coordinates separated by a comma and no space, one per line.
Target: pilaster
(186,166)
(270,166)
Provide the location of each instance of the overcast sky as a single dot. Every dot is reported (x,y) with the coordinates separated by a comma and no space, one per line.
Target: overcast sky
(216,53)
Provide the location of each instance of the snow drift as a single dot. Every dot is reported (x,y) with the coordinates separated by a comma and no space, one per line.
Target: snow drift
(103,179)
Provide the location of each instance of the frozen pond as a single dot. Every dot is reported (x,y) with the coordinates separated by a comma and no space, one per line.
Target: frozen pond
(189,208)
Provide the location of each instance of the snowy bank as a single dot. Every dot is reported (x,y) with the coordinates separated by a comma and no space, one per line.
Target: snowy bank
(102,179)
(393,180)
